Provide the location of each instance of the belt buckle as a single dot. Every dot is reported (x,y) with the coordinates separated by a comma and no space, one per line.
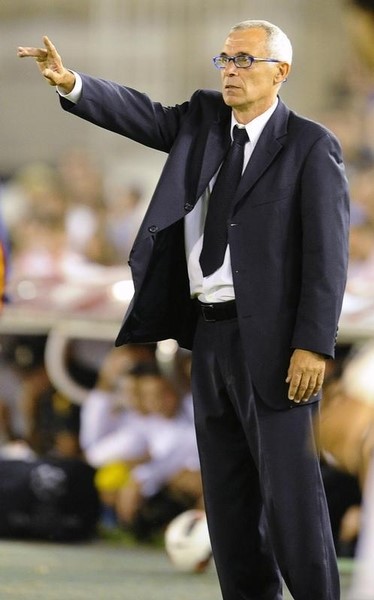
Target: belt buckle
(205,312)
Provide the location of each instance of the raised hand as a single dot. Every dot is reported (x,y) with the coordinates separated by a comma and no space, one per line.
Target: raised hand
(50,64)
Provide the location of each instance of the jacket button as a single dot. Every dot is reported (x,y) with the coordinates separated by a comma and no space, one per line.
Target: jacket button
(188,206)
(153,229)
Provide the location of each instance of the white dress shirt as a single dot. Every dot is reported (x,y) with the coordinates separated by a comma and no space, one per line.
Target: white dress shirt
(217,287)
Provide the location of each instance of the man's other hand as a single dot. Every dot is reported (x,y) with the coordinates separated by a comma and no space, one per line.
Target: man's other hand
(305,375)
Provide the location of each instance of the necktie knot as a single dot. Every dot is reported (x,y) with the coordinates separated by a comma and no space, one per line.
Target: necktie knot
(240,135)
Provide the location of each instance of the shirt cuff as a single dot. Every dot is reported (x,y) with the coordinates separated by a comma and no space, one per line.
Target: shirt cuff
(75,94)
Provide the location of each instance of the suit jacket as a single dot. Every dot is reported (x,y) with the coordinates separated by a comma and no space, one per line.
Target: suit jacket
(288,232)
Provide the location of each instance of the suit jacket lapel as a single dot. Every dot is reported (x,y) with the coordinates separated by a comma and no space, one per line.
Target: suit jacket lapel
(217,144)
(268,146)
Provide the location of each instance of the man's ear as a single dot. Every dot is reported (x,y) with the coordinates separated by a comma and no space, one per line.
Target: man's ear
(282,72)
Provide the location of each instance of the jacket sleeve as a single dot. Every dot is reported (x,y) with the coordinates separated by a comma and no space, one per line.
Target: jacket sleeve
(325,232)
(127,112)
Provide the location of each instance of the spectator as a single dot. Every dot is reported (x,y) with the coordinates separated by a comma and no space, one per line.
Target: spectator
(50,420)
(347,441)
(124,215)
(108,418)
(171,477)
(140,435)
(85,221)
(105,408)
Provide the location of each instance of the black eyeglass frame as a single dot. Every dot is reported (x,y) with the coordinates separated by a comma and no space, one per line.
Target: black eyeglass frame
(235,59)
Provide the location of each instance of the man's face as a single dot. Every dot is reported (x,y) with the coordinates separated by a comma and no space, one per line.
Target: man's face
(157,396)
(250,91)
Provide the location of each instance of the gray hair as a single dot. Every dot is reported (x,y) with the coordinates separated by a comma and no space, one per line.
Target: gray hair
(278,44)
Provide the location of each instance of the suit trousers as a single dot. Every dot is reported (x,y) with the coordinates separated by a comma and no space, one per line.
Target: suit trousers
(265,502)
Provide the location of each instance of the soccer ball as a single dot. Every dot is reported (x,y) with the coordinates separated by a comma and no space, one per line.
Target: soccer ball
(187,542)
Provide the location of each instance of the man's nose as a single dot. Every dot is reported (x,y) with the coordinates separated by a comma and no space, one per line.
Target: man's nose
(231,68)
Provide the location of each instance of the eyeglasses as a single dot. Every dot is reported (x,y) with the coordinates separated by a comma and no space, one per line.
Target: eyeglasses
(242,61)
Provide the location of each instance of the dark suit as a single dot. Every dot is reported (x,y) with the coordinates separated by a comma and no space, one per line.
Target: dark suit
(287,236)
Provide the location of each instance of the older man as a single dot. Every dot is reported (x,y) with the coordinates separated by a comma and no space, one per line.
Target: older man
(242,257)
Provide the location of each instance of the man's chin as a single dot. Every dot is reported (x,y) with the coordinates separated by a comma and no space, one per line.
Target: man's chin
(230,100)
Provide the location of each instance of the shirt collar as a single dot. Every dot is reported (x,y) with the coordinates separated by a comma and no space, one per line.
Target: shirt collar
(254,128)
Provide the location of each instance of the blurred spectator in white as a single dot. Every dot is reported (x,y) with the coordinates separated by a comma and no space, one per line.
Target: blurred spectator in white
(85,220)
(40,248)
(105,408)
(171,477)
(139,433)
(108,425)
(125,212)
(57,217)
(37,229)
(82,182)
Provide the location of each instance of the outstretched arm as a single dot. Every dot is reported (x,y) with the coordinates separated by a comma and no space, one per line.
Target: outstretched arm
(50,65)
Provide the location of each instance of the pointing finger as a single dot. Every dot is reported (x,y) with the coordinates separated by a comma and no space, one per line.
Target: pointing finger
(50,47)
(40,53)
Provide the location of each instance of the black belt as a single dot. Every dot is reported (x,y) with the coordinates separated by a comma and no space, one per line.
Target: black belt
(218,311)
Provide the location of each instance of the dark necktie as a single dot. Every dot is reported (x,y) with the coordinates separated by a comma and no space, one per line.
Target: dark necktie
(215,230)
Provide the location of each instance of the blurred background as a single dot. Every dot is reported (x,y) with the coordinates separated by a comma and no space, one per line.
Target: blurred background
(162,47)
(72,197)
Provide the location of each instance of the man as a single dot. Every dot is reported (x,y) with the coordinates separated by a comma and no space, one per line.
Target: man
(263,319)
